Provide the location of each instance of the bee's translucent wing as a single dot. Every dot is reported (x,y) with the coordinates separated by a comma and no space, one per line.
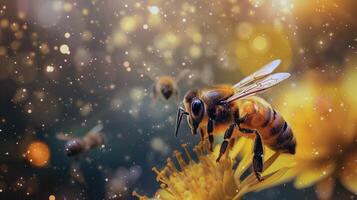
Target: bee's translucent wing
(147,73)
(96,129)
(259,86)
(261,73)
(182,75)
(64,136)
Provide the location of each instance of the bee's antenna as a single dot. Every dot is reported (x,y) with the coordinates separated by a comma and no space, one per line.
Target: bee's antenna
(180,113)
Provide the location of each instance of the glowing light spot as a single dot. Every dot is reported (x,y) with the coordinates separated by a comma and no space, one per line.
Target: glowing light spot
(145,26)
(67,7)
(126,64)
(38,154)
(195,51)
(87,35)
(256,3)
(129,23)
(244,30)
(50,68)
(85,11)
(154,10)
(119,39)
(52,197)
(260,43)
(64,49)
(44,48)
(67,35)
(157,144)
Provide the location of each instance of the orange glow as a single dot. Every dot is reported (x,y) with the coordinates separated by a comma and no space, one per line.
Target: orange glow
(38,154)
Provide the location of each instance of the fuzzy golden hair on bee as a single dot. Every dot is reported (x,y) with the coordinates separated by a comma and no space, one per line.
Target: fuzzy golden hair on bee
(165,86)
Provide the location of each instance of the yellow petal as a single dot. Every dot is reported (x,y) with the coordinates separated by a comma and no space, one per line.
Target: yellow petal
(310,176)
(270,180)
(349,173)
(243,165)
(324,188)
(237,148)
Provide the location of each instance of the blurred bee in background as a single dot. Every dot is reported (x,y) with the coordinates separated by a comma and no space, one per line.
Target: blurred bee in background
(235,110)
(166,85)
(77,147)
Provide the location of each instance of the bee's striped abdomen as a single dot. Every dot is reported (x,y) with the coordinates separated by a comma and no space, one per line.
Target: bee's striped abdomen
(277,134)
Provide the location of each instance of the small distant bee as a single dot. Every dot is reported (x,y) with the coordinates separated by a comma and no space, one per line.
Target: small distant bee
(79,146)
(236,111)
(166,86)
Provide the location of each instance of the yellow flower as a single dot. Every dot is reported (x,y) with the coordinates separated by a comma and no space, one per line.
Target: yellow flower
(207,179)
(324,124)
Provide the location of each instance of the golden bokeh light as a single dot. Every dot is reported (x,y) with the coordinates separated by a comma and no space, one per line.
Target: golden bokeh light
(323,122)
(257,45)
(38,154)
(260,43)
(129,23)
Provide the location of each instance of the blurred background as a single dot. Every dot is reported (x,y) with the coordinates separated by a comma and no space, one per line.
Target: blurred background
(66,66)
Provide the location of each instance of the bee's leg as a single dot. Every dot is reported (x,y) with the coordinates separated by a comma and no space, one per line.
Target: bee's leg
(231,143)
(209,132)
(227,136)
(154,93)
(203,135)
(258,156)
(177,96)
(258,146)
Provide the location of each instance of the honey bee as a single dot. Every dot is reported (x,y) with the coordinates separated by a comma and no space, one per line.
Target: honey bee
(79,146)
(166,85)
(235,110)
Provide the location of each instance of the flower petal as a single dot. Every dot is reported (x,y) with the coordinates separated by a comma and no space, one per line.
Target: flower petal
(324,188)
(237,148)
(269,180)
(349,173)
(312,175)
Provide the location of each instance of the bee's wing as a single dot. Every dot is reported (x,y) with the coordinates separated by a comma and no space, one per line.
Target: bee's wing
(146,73)
(64,136)
(259,86)
(182,75)
(261,73)
(96,129)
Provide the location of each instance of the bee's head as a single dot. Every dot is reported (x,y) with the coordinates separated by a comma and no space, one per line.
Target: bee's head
(74,147)
(197,109)
(196,114)
(167,90)
(193,108)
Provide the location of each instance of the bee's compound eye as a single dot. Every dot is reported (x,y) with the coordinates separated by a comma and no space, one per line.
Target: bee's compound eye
(73,147)
(197,107)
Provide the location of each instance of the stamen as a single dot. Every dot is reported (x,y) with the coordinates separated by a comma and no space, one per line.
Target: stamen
(171,166)
(140,197)
(184,146)
(180,160)
(207,179)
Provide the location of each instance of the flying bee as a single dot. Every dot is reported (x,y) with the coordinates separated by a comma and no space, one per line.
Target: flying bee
(165,86)
(79,146)
(235,110)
